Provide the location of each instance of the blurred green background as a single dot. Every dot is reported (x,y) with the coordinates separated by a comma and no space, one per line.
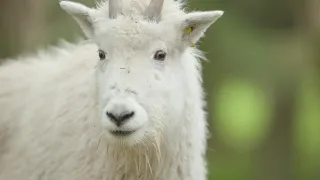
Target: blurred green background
(262,80)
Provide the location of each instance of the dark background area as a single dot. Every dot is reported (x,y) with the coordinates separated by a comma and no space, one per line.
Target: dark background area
(262,80)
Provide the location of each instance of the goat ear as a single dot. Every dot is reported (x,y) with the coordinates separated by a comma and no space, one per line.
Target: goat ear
(195,25)
(82,14)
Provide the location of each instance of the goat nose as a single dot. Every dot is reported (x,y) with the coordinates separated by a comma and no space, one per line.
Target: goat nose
(120,119)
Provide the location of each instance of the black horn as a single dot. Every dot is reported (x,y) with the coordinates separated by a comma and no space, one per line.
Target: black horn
(153,12)
(115,8)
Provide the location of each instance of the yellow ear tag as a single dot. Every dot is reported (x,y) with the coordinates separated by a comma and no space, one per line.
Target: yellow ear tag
(188,30)
(193,45)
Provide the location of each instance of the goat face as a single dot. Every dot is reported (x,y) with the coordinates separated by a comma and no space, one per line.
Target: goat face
(140,87)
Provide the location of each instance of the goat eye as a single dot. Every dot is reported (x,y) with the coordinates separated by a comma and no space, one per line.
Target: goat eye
(160,55)
(102,55)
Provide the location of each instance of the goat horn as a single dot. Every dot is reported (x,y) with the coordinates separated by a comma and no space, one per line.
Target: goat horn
(115,7)
(154,10)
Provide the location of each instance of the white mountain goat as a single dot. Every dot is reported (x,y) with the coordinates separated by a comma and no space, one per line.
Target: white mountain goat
(127,105)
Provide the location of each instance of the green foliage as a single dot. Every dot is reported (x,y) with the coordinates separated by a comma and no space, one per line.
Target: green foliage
(242,114)
(307,129)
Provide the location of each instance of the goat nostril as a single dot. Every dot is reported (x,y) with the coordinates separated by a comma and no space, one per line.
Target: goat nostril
(128,115)
(119,119)
(112,116)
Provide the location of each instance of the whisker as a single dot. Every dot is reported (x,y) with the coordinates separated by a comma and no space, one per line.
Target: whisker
(99,141)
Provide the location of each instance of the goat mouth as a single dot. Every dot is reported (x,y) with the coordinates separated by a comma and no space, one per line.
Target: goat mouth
(122,133)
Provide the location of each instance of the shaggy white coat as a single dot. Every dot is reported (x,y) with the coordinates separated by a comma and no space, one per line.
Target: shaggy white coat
(50,115)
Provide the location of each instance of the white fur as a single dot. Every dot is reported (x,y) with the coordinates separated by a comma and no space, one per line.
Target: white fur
(53,104)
